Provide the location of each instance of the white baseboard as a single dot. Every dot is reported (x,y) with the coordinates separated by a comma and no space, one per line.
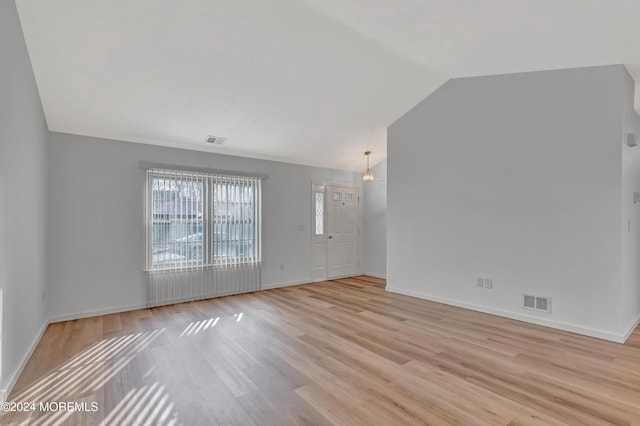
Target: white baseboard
(371,274)
(592,332)
(4,393)
(97,312)
(107,311)
(632,328)
(287,284)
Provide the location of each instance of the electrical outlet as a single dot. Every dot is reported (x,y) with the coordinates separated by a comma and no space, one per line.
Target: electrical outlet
(488,283)
(480,282)
(282,267)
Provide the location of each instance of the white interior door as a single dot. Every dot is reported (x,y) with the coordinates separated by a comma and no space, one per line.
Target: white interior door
(342,231)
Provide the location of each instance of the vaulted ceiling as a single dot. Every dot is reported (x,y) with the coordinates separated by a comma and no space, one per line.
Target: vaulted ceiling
(312,82)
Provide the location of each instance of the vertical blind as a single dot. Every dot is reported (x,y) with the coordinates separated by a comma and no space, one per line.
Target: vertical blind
(203,234)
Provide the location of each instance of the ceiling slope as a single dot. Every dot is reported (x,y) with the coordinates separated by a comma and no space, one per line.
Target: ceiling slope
(312,82)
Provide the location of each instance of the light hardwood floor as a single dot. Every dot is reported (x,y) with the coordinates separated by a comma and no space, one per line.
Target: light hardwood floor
(338,352)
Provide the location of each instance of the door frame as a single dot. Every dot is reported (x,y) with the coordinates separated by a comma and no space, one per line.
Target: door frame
(322,187)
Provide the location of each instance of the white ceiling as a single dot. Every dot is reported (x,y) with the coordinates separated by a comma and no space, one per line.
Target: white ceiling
(304,81)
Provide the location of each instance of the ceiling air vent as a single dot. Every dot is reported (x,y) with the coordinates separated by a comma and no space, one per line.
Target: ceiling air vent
(216,140)
(537,303)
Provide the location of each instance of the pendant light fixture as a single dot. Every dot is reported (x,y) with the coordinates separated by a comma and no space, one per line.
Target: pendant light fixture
(367,176)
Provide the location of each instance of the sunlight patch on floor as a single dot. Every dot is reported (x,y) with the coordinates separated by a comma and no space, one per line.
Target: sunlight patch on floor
(145,406)
(198,326)
(88,371)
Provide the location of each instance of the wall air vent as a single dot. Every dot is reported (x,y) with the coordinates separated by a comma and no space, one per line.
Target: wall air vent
(216,140)
(537,303)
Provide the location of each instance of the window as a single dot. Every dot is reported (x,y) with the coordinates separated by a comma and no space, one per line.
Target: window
(319,208)
(200,219)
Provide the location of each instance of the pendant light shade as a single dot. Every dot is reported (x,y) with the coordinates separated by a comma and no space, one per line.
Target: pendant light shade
(367,176)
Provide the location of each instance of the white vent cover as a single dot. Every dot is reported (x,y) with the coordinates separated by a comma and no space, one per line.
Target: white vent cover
(217,140)
(537,303)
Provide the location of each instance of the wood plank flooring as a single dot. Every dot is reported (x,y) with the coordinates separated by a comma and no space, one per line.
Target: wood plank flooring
(336,352)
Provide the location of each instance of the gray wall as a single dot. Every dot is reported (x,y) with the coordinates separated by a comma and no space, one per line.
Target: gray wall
(95,189)
(374,228)
(517,178)
(22,197)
